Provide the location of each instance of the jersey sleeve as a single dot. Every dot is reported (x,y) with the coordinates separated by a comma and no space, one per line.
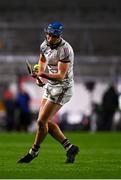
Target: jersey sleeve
(64,55)
(42,48)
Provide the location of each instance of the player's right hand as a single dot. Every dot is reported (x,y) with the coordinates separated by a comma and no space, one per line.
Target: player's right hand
(34,74)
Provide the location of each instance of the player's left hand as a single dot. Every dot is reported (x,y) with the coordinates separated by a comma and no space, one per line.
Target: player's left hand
(39,82)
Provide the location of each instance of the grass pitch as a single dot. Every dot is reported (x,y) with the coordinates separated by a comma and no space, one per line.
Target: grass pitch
(99,157)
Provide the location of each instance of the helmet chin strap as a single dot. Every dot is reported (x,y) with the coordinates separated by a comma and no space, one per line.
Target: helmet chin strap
(54,46)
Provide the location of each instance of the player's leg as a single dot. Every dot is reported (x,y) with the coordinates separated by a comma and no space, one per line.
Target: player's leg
(71,149)
(55,132)
(33,152)
(47,111)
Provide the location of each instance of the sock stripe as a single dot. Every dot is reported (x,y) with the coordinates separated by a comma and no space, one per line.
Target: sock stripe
(35,147)
(64,141)
(66,144)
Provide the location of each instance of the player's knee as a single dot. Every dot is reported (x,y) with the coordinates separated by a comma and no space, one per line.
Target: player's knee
(40,124)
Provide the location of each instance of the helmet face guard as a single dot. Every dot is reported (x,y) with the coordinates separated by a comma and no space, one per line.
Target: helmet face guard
(55,29)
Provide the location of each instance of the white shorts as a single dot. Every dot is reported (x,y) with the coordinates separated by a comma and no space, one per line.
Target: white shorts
(58,94)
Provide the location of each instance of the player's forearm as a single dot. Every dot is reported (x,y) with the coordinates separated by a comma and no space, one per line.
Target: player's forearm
(54,77)
(42,63)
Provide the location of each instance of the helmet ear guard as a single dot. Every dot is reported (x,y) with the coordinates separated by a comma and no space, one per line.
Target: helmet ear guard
(55,28)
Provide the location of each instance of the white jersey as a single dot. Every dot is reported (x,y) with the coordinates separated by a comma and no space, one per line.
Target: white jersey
(64,53)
